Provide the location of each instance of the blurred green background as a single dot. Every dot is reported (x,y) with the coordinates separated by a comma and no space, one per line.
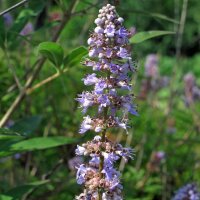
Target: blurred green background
(165,135)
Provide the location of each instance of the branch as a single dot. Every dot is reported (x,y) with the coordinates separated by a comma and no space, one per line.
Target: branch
(47,80)
(38,67)
(13,7)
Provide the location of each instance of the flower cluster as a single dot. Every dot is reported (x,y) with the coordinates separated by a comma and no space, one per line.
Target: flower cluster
(89,174)
(152,80)
(189,192)
(192,91)
(112,100)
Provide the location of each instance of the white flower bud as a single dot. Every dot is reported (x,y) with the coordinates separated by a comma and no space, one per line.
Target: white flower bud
(120,19)
(98,29)
(90,41)
(92,53)
(104,19)
(98,21)
(101,55)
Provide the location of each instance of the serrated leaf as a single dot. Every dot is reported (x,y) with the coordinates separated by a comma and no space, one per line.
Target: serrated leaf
(75,56)
(18,192)
(52,51)
(40,143)
(27,125)
(142,36)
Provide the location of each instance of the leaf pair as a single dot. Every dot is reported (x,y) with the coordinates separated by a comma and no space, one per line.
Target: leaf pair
(55,54)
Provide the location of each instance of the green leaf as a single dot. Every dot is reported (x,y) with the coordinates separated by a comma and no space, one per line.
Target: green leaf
(27,125)
(5,132)
(18,192)
(5,197)
(2,32)
(40,143)
(18,25)
(8,138)
(163,17)
(75,56)
(52,51)
(142,36)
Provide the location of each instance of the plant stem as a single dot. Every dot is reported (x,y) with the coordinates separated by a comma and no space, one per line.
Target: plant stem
(38,67)
(101,164)
(13,7)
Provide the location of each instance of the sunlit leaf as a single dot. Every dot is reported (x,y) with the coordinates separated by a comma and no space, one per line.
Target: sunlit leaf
(5,197)
(39,143)
(142,36)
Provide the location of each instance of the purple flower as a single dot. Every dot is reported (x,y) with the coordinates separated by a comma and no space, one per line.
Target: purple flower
(103,101)
(122,53)
(189,192)
(80,175)
(8,19)
(86,125)
(109,54)
(27,30)
(80,150)
(151,66)
(122,32)
(90,79)
(110,30)
(100,86)
(86,99)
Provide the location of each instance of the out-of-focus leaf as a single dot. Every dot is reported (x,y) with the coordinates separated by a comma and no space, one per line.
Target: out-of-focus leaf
(18,192)
(5,197)
(52,51)
(163,17)
(27,125)
(18,25)
(154,15)
(5,132)
(37,5)
(2,32)
(39,143)
(7,138)
(142,36)
(75,56)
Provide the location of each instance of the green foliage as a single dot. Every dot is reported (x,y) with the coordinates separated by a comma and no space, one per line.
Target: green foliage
(18,192)
(75,56)
(142,36)
(44,129)
(53,51)
(27,126)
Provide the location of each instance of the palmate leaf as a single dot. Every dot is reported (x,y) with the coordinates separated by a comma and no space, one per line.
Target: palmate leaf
(142,36)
